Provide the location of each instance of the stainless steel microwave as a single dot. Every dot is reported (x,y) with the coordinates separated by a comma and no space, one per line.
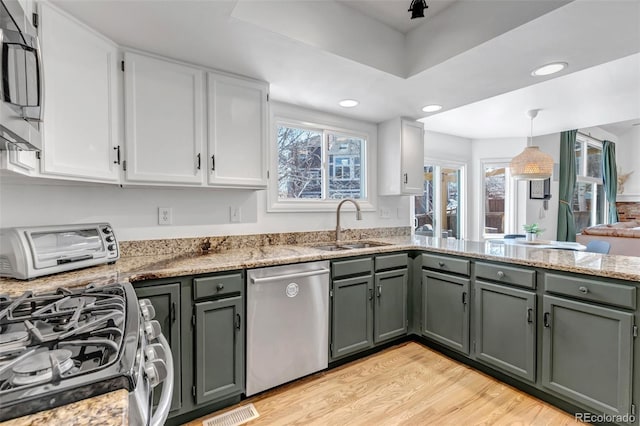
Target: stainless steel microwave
(21,80)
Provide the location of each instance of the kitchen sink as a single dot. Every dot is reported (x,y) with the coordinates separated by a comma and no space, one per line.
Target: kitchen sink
(350,245)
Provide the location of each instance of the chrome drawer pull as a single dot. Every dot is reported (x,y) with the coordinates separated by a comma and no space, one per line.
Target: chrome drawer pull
(441,264)
(583,290)
(220,287)
(500,274)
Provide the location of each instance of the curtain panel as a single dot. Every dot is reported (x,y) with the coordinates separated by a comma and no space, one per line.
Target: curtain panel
(610,178)
(566,224)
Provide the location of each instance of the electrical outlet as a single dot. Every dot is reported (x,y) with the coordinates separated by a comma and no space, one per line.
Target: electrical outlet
(235,214)
(165,215)
(385,213)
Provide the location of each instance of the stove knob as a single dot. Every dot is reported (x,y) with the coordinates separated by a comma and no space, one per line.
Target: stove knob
(147,309)
(109,238)
(155,351)
(152,329)
(111,247)
(107,230)
(156,371)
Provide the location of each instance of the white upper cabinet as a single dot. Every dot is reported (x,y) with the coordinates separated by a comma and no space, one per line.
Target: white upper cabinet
(400,157)
(237,132)
(164,121)
(80,129)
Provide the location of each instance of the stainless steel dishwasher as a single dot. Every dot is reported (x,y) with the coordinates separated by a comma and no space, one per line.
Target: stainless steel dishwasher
(287,323)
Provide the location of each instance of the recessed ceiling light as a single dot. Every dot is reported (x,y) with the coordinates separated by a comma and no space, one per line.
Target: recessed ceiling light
(348,103)
(548,69)
(432,108)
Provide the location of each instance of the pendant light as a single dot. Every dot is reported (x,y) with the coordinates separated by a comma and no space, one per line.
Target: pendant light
(531,164)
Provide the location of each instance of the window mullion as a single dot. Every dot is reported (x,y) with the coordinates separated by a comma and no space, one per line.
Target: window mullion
(325,165)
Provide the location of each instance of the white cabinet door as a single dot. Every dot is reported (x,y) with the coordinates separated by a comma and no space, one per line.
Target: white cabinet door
(164,121)
(22,162)
(412,157)
(80,127)
(237,132)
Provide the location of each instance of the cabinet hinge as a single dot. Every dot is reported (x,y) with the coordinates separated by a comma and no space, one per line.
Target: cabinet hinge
(122,65)
(193,391)
(635,331)
(38,155)
(35,21)
(124,165)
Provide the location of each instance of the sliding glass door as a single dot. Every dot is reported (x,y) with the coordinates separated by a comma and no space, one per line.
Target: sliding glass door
(438,211)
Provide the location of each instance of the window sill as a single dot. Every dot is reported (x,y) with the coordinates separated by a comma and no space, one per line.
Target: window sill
(317,206)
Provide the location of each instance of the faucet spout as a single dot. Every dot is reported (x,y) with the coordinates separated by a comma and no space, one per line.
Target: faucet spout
(358,215)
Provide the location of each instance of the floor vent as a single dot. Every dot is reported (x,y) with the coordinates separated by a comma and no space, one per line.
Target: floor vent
(236,417)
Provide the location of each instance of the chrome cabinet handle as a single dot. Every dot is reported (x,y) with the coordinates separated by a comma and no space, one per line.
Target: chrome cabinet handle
(406,178)
(545,319)
(370,294)
(198,163)
(238,321)
(500,274)
(464,297)
(213,163)
(117,149)
(220,287)
(379,290)
(583,290)
(529,315)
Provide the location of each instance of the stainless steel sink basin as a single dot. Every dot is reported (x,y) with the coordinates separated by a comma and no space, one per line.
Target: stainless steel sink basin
(350,245)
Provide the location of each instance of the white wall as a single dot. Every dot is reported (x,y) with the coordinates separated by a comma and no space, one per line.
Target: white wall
(196,211)
(628,159)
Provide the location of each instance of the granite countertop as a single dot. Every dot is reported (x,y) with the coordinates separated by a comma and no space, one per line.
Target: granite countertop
(141,268)
(110,409)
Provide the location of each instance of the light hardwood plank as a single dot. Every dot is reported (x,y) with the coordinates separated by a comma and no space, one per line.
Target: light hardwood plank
(408,384)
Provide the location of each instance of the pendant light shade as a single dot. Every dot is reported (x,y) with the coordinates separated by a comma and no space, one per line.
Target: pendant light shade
(531,164)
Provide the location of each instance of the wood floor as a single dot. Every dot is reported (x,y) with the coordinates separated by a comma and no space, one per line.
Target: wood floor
(407,384)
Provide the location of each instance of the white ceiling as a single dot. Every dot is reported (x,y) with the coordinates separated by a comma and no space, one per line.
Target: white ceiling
(394,13)
(469,51)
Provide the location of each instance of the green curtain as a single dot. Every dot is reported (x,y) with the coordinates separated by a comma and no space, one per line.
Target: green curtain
(610,178)
(566,224)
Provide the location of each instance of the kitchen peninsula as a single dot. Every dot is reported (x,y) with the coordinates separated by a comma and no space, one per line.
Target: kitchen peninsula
(492,280)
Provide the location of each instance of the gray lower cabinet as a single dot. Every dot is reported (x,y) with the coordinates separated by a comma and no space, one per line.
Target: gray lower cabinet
(165,299)
(352,315)
(445,310)
(391,304)
(587,354)
(505,329)
(219,349)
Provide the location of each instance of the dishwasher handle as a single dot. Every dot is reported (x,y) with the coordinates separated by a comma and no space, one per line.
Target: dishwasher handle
(289,276)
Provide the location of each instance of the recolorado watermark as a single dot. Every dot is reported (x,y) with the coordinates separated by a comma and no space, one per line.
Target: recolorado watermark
(605,418)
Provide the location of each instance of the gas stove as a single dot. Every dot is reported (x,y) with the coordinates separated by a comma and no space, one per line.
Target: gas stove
(61,347)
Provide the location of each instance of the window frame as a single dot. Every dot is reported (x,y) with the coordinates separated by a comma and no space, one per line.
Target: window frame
(510,199)
(583,177)
(275,204)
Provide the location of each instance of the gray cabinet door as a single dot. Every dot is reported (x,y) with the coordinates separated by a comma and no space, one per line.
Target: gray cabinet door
(390,316)
(219,346)
(505,329)
(165,299)
(445,310)
(352,315)
(587,354)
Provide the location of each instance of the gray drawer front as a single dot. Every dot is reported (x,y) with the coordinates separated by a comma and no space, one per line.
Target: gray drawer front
(345,268)
(217,286)
(602,292)
(445,264)
(506,274)
(392,261)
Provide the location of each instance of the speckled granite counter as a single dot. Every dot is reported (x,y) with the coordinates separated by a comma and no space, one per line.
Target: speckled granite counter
(110,409)
(141,268)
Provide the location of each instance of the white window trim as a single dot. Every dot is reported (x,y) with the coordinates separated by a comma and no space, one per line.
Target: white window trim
(581,176)
(274,204)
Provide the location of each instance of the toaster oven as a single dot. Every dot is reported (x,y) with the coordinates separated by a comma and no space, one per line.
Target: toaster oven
(29,252)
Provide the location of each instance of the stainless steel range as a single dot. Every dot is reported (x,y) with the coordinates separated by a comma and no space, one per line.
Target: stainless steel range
(69,345)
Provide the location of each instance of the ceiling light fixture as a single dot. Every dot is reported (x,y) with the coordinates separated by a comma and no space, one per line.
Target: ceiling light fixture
(348,103)
(417,8)
(549,69)
(531,164)
(432,108)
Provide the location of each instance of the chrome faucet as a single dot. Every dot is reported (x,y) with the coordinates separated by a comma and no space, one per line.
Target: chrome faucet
(358,215)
